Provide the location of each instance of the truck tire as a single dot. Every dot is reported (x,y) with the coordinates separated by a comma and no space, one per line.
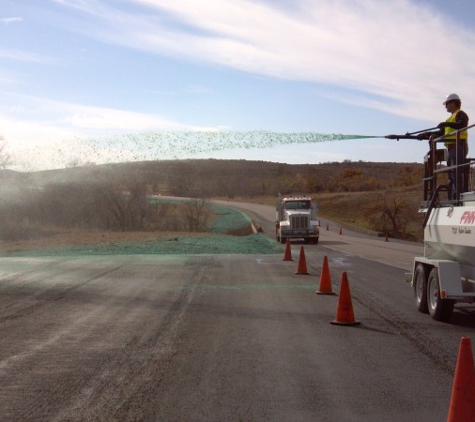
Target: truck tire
(439,309)
(420,289)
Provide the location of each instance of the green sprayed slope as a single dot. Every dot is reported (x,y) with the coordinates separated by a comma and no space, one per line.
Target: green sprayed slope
(211,244)
(218,242)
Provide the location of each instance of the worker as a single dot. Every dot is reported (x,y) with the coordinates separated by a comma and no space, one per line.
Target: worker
(457,151)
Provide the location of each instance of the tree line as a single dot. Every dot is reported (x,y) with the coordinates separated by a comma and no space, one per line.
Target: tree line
(118,197)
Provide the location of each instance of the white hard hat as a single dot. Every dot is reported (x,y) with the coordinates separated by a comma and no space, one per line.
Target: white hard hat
(451,97)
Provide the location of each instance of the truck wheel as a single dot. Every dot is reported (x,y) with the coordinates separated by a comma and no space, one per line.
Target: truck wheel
(439,309)
(420,289)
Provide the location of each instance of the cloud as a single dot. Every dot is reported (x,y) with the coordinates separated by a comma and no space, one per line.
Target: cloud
(399,57)
(378,50)
(8,21)
(97,118)
(49,133)
(25,56)
(52,134)
(75,119)
(192,90)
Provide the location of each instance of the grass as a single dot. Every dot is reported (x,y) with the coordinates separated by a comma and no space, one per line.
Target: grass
(364,210)
(230,221)
(207,244)
(349,209)
(230,233)
(359,210)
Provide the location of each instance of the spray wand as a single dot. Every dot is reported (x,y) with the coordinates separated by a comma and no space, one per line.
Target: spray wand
(412,135)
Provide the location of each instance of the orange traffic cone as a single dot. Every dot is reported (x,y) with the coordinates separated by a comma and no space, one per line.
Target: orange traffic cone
(288,251)
(328,227)
(462,400)
(325,287)
(344,313)
(341,230)
(302,266)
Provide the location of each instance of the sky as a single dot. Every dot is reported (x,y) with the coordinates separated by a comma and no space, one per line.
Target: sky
(96,81)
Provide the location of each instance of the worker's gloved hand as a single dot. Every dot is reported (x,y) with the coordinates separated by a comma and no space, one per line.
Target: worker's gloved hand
(441,126)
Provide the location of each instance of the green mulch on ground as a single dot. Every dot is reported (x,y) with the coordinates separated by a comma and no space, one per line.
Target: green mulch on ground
(214,244)
(229,233)
(229,220)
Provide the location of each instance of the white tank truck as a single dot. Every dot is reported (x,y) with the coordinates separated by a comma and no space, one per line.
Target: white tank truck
(445,275)
(296,218)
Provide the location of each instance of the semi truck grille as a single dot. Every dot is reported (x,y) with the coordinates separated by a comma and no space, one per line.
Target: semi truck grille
(299,222)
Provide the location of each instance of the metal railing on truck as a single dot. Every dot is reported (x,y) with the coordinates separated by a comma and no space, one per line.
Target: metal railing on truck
(463,169)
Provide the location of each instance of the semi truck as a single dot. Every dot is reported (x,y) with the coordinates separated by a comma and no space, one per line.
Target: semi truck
(296,218)
(445,275)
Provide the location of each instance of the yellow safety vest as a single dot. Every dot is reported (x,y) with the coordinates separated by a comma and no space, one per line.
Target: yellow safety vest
(451,140)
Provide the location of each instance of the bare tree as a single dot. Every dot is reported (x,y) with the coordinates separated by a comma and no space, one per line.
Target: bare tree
(390,215)
(5,158)
(197,213)
(121,207)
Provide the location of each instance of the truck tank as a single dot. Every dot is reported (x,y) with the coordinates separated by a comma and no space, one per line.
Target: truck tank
(445,275)
(450,233)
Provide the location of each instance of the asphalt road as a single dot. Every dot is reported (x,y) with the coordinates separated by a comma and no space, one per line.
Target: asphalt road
(223,338)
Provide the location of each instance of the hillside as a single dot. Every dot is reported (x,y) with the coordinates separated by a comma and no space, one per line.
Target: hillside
(383,197)
(237,177)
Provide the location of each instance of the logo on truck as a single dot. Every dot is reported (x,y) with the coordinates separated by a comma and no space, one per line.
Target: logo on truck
(468,217)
